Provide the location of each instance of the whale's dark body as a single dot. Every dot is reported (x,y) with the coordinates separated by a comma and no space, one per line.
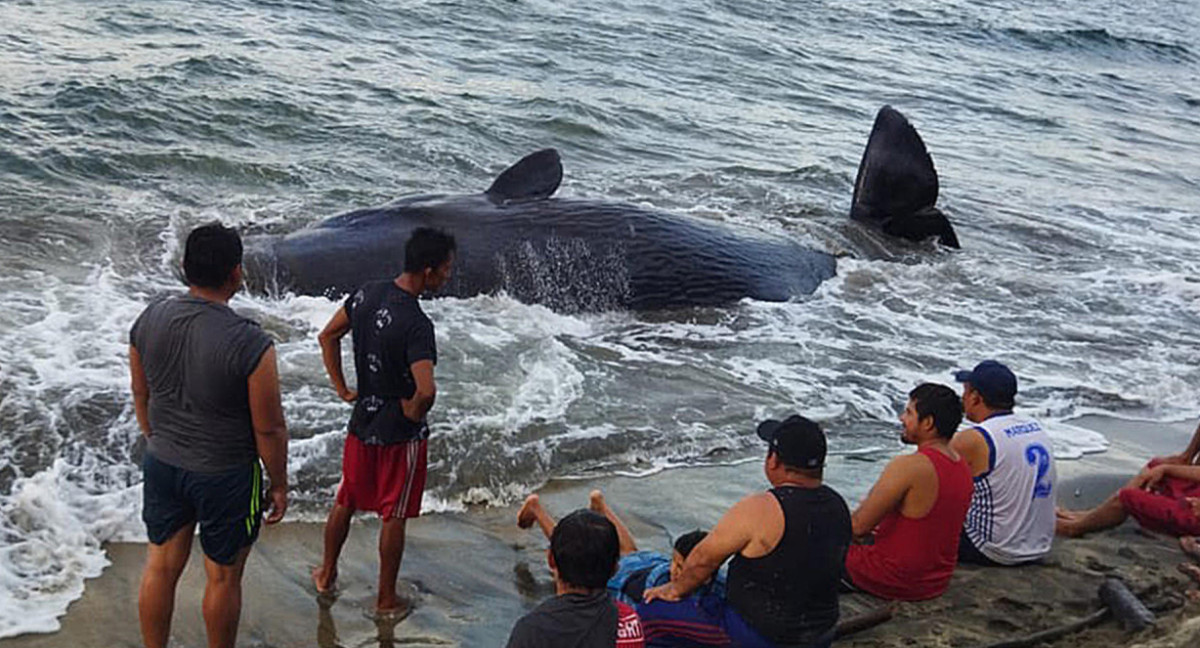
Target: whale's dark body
(569,254)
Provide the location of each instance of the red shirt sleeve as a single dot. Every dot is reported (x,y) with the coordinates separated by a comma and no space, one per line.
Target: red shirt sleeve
(629,627)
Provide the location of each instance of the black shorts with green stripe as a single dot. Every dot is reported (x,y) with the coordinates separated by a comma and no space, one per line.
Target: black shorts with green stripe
(227,505)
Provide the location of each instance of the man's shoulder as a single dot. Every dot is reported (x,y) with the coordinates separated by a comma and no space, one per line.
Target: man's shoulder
(912,462)
(754,502)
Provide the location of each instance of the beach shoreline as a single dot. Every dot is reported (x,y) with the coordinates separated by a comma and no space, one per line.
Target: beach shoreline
(473,574)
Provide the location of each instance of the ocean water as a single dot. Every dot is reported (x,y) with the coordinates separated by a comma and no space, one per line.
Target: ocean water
(1066,135)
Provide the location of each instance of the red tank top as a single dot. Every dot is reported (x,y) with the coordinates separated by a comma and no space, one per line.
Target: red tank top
(913,559)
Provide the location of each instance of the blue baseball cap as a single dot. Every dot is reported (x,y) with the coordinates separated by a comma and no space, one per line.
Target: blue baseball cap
(994,381)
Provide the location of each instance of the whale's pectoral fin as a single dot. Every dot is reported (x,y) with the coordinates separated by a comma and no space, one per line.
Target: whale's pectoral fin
(536,176)
(922,225)
(897,182)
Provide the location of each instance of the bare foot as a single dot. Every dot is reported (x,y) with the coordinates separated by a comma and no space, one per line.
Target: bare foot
(1190,570)
(1190,546)
(325,584)
(596,501)
(392,609)
(528,513)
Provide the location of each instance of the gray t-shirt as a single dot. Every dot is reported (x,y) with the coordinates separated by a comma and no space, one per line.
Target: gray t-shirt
(197,356)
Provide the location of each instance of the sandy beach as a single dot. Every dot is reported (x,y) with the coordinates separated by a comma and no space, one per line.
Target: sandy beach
(473,574)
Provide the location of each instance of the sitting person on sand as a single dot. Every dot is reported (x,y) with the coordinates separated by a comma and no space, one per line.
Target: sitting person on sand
(584,549)
(1011,519)
(663,626)
(1157,498)
(916,508)
(787,545)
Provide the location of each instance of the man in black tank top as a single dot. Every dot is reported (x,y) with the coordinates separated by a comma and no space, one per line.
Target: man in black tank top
(788,545)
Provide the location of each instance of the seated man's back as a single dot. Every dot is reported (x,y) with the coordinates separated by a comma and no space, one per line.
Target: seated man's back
(787,544)
(916,509)
(790,592)
(1011,520)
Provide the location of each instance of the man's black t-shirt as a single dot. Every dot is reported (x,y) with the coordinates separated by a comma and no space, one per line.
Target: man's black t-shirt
(391,332)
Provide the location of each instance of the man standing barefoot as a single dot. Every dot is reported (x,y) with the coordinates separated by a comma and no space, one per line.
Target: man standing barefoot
(206,395)
(383,464)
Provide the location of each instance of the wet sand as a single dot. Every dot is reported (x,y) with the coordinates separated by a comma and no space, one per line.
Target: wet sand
(473,574)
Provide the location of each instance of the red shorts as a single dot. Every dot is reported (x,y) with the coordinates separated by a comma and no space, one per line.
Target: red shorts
(1165,508)
(387,479)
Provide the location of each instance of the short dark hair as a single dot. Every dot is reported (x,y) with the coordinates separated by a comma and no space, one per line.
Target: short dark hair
(427,248)
(211,253)
(940,402)
(993,401)
(688,541)
(585,549)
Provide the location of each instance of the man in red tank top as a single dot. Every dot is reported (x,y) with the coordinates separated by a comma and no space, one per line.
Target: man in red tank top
(915,511)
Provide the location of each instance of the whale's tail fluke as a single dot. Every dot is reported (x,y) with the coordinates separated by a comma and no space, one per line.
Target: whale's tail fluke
(897,186)
(535,176)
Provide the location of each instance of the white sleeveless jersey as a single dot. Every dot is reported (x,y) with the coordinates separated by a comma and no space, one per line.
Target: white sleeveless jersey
(1011,519)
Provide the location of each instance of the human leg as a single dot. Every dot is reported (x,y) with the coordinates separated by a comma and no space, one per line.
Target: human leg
(356,490)
(401,499)
(337,529)
(391,552)
(170,519)
(223,599)
(1074,524)
(532,511)
(229,509)
(156,596)
(1161,513)
(598,504)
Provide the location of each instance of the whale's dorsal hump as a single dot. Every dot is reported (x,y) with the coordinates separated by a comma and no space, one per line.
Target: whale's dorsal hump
(536,176)
(896,177)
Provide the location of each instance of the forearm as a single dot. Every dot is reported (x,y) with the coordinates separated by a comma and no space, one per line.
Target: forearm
(141,409)
(418,406)
(860,527)
(272,447)
(1190,473)
(693,575)
(331,354)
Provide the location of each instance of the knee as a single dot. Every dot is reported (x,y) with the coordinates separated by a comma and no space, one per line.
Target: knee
(163,570)
(223,576)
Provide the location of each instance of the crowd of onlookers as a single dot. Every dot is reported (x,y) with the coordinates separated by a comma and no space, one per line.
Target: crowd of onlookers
(206,395)
(982,494)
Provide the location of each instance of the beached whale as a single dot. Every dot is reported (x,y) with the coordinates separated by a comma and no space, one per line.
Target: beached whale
(569,254)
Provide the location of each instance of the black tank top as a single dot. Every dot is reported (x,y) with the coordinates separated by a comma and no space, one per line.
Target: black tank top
(790,595)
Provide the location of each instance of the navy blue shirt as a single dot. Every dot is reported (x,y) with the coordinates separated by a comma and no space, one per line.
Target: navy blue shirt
(390,333)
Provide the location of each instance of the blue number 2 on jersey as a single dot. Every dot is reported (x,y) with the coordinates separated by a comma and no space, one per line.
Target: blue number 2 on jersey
(1037,455)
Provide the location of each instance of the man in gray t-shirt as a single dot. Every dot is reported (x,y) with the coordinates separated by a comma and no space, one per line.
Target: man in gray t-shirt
(197,355)
(206,395)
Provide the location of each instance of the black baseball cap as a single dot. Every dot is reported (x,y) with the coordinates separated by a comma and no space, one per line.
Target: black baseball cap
(994,381)
(797,441)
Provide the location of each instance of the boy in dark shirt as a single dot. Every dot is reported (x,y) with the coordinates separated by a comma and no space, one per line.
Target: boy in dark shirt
(383,464)
(583,555)
(695,623)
